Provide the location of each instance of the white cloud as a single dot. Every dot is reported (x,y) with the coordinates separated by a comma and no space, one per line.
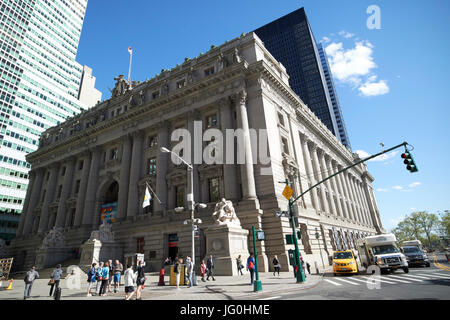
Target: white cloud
(382,190)
(325,40)
(397,187)
(414,184)
(346,34)
(383,157)
(355,66)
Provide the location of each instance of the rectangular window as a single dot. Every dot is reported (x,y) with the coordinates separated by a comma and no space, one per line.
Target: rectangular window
(214,190)
(211,121)
(181,84)
(284,145)
(153,141)
(80,165)
(63,171)
(280,119)
(114,153)
(140,245)
(151,166)
(155,94)
(179,199)
(209,71)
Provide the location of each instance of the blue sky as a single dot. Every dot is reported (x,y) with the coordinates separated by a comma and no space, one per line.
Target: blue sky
(392,82)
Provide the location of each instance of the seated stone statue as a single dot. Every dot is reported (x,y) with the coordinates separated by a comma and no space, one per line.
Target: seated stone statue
(224,213)
(54,238)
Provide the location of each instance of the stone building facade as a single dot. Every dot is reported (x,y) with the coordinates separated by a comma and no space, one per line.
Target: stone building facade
(107,154)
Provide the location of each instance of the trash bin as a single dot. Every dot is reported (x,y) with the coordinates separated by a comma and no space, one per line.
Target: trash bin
(173,276)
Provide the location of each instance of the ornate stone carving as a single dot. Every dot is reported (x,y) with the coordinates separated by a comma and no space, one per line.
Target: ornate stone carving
(104,233)
(54,239)
(224,213)
(236,57)
(121,86)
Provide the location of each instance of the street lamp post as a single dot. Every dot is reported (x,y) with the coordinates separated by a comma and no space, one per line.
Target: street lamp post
(191,207)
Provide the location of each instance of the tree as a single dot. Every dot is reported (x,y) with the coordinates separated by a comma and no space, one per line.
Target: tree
(418,225)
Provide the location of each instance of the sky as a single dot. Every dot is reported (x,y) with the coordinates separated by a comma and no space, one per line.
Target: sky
(391,81)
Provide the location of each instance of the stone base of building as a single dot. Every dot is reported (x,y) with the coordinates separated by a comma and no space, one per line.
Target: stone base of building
(50,257)
(97,251)
(225,243)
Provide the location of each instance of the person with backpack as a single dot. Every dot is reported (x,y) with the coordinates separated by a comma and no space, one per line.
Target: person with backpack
(110,265)
(98,277)
(276,265)
(140,281)
(55,277)
(239,265)
(129,277)
(210,267)
(92,278)
(29,279)
(105,279)
(177,270)
(189,271)
(117,271)
(251,267)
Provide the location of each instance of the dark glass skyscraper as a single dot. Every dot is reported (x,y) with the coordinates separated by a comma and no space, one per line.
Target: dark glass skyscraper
(291,41)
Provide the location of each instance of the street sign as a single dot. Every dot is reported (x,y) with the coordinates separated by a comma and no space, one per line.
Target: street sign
(260,235)
(287,192)
(317,235)
(280,214)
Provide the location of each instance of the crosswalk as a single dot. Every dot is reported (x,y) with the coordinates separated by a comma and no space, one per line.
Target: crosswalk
(391,279)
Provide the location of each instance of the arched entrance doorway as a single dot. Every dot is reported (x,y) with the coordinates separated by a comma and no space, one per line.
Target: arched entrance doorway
(108,203)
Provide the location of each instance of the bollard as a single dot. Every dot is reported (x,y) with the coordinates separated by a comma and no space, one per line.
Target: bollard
(161,277)
(317,267)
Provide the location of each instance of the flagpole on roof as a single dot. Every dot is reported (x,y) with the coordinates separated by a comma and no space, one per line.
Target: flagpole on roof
(148,185)
(130,50)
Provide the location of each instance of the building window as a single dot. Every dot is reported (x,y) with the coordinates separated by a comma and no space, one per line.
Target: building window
(140,245)
(77,186)
(209,71)
(280,119)
(63,171)
(155,94)
(181,83)
(214,190)
(284,145)
(151,166)
(179,198)
(72,217)
(80,165)
(211,121)
(114,154)
(153,141)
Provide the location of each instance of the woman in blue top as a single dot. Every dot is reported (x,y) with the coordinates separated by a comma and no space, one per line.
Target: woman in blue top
(105,277)
(98,277)
(92,273)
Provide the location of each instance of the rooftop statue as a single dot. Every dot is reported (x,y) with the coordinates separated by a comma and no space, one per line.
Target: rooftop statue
(121,87)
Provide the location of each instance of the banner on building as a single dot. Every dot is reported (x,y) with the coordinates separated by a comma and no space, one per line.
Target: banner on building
(108,212)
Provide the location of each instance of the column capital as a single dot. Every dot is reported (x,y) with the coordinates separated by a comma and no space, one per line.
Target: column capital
(138,134)
(240,97)
(194,114)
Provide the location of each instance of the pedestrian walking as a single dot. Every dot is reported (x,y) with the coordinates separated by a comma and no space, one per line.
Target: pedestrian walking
(177,270)
(117,271)
(239,265)
(129,277)
(140,281)
(92,278)
(251,267)
(276,265)
(110,265)
(98,277)
(55,278)
(189,270)
(105,279)
(210,268)
(308,267)
(29,279)
(203,270)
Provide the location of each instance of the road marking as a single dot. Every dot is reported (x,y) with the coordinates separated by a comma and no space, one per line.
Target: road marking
(270,298)
(420,277)
(348,281)
(442,274)
(335,283)
(356,279)
(404,281)
(435,276)
(380,280)
(410,279)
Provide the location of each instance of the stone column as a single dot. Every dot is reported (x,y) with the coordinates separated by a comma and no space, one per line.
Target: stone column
(343,177)
(34,199)
(124,179)
(65,192)
(194,116)
(353,197)
(363,202)
(247,175)
(230,181)
(319,178)
(341,195)
(309,171)
(135,175)
(32,176)
(82,191)
(325,174)
(162,162)
(91,191)
(49,196)
(335,187)
(358,200)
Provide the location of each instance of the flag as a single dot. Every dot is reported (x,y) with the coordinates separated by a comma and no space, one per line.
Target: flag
(147,198)
(130,50)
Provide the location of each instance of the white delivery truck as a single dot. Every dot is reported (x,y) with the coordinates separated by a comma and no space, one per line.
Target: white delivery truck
(381,250)
(413,243)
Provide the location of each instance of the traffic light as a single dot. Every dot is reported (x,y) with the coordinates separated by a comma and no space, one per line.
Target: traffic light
(409,161)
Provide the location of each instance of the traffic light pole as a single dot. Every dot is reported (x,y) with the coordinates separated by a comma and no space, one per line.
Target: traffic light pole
(300,275)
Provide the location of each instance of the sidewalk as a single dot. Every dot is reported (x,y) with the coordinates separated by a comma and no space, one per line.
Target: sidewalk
(224,288)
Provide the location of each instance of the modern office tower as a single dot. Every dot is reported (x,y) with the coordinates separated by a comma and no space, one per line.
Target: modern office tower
(88,94)
(291,41)
(342,130)
(39,86)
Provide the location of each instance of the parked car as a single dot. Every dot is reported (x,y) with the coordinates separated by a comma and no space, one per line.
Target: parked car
(344,262)
(416,256)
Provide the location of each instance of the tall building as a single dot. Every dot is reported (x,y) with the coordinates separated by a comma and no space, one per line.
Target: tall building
(342,130)
(96,166)
(39,87)
(291,41)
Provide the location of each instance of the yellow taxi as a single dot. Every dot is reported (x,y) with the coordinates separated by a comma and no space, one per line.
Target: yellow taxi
(344,262)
